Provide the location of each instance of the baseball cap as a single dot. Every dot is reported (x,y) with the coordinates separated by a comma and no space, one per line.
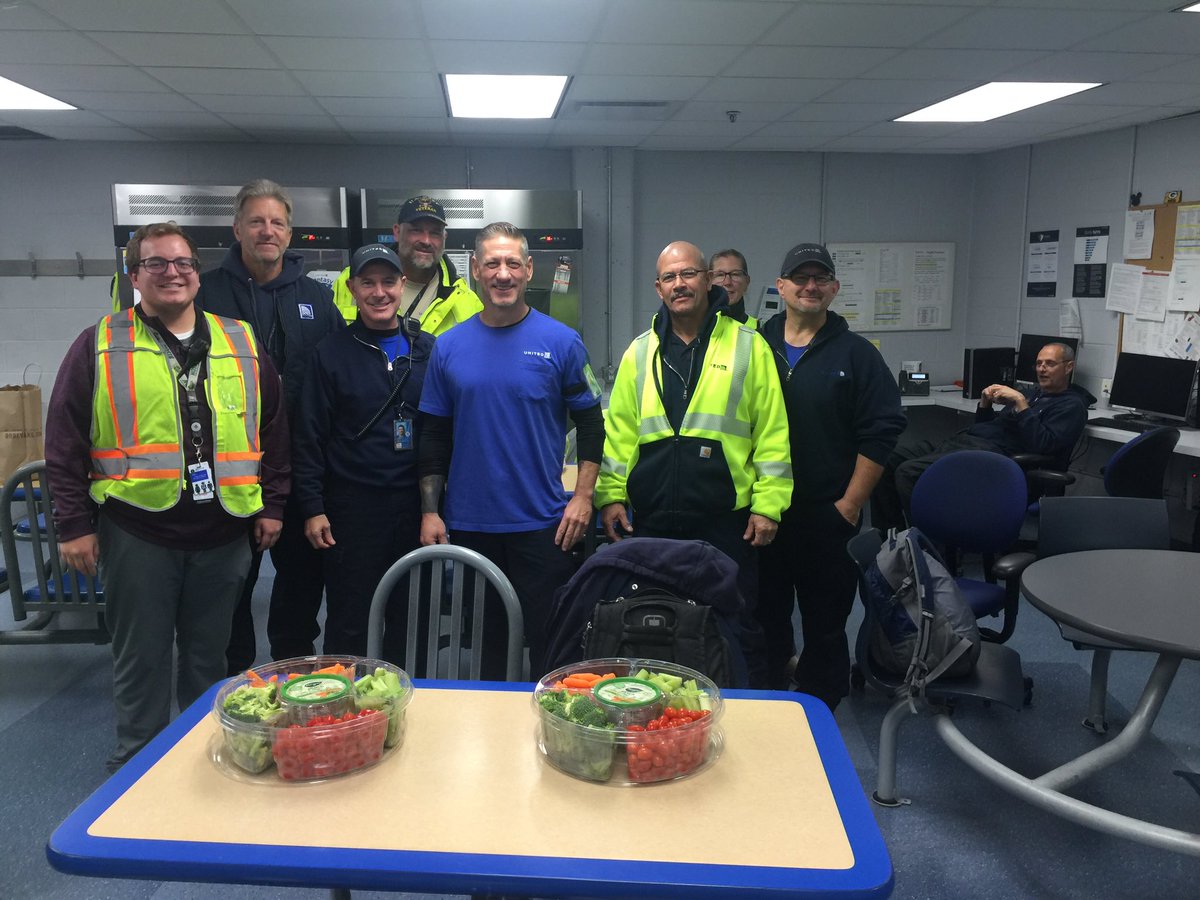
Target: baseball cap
(421,208)
(806,253)
(373,253)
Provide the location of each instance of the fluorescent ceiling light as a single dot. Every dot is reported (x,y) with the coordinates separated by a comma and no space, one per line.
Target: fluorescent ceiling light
(1195,7)
(17,96)
(991,101)
(504,96)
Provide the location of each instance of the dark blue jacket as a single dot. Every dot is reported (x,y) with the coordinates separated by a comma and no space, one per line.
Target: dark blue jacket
(1050,426)
(348,383)
(841,402)
(290,314)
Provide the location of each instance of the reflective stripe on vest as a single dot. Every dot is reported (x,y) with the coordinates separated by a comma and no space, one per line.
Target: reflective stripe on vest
(136,399)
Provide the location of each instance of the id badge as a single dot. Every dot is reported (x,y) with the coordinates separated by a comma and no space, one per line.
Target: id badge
(200,476)
(402,434)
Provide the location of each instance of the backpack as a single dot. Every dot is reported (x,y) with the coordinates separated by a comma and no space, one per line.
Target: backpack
(656,624)
(924,628)
(695,587)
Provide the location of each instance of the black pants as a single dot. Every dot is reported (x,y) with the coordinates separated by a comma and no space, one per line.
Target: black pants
(807,566)
(893,495)
(537,568)
(726,533)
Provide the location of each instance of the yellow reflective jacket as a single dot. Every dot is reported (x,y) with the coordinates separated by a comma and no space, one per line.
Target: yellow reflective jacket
(454,303)
(138,453)
(731,450)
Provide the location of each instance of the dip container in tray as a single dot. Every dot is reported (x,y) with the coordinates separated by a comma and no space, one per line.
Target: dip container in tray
(309,718)
(645,721)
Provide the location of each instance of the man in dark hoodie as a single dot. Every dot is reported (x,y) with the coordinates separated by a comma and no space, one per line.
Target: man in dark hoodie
(1047,420)
(262,282)
(844,416)
(696,439)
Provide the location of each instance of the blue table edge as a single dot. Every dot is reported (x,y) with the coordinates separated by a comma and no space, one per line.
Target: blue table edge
(72,850)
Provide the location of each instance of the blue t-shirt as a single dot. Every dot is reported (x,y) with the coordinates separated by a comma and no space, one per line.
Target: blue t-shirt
(508,391)
(793,353)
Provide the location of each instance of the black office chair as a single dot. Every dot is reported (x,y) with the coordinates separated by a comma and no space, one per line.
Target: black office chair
(997,678)
(974,501)
(1138,466)
(1071,524)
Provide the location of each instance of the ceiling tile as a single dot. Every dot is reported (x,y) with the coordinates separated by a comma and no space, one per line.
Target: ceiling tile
(689,142)
(258,103)
(162,101)
(88,133)
(880,90)
(809,62)
(1072,66)
(1129,94)
(771,90)
(717,111)
(18,16)
(369,84)
(643,59)
(618,127)
(551,20)
(52,48)
(259,122)
(512,58)
(194,16)
(1066,114)
(375,138)
(860,25)
(323,19)
(848,112)
(1162,33)
(198,135)
(367,55)
(84,78)
(66,118)
(688,21)
(384,107)
(628,87)
(855,144)
(151,119)
(608,139)
(356,125)
(1046,29)
(975,65)
(206,50)
(226,81)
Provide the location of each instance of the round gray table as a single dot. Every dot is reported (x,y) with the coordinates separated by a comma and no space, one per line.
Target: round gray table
(1147,599)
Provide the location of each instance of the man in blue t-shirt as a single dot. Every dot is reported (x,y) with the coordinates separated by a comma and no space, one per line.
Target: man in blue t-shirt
(497,395)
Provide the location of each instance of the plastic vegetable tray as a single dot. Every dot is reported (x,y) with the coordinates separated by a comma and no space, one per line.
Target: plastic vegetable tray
(633,752)
(286,750)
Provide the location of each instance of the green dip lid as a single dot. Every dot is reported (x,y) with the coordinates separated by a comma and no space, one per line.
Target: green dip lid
(316,689)
(627,693)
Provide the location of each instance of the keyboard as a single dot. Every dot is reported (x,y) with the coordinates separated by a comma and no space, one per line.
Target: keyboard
(1135,425)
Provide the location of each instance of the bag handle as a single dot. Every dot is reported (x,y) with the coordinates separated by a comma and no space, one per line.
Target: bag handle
(25,374)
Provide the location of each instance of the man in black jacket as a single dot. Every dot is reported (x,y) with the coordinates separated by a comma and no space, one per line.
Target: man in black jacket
(262,282)
(844,418)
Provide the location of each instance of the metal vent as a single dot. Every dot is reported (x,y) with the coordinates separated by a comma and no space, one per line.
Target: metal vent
(182,205)
(13,133)
(618,110)
(462,209)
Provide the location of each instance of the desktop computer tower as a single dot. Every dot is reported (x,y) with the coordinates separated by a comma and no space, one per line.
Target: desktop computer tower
(987,365)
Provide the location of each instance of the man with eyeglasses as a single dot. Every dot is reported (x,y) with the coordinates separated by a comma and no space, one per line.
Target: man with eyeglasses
(167,450)
(844,417)
(262,281)
(728,269)
(1047,420)
(696,438)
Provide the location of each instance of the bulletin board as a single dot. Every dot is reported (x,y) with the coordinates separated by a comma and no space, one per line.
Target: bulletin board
(895,286)
(1151,337)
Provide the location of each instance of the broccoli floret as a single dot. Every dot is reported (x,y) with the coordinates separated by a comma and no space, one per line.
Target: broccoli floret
(253,704)
(553,704)
(584,712)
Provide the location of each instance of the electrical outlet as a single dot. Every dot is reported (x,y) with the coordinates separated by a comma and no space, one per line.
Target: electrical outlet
(1105,386)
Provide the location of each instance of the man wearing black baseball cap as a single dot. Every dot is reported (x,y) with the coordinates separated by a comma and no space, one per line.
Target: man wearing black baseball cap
(844,418)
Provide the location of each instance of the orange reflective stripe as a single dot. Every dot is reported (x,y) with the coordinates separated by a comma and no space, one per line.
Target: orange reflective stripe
(246,455)
(238,479)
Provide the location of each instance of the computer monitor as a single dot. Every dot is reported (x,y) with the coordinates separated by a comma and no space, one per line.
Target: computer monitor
(1153,387)
(1031,345)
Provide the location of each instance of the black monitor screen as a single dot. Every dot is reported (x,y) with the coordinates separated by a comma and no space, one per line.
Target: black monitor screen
(1153,384)
(1031,346)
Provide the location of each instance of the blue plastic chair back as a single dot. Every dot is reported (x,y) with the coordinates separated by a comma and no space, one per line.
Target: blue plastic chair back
(973,500)
(1139,465)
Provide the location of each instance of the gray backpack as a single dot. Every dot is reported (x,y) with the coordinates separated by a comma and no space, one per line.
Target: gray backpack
(924,627)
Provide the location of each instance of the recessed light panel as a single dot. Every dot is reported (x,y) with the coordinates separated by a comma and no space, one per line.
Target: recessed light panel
(999,98)
(504,96)
(17,96)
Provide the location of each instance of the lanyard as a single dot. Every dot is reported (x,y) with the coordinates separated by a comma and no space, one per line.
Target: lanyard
(188,380)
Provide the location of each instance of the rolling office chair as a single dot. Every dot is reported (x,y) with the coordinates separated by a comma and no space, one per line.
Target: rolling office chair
(1138,466)
(997,677)
(58,589)
(975,501)
(1071,524)
(430,568)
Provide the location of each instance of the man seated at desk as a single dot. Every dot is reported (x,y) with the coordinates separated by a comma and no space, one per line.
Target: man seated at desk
(1046,420)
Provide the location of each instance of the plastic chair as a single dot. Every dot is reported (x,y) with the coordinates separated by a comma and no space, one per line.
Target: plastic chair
(58,589)
(1071,524)
(432,567)
(975,501)
(997,678)
(1138,466)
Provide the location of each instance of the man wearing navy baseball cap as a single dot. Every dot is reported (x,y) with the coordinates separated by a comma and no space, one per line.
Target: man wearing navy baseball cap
(844,418)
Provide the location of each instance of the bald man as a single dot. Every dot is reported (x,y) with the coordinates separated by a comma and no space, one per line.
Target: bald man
(696,438)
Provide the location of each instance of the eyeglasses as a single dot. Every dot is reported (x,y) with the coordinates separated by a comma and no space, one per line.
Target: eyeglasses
(800,280)
(721,274)
(668,278)
(156,265)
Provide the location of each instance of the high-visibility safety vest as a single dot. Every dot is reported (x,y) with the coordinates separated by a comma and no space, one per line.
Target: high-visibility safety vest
(138,453)
(738,402)
(439,317)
